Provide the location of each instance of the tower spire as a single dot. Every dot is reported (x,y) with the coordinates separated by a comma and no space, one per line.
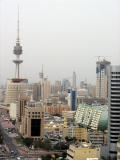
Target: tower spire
(18,39)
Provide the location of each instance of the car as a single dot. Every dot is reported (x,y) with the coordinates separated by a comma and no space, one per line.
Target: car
(12,156)
(12,152)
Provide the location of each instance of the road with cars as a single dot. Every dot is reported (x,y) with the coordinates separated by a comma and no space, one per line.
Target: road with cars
(14,151)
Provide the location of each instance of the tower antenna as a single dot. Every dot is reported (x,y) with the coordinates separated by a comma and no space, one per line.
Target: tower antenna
(18,26)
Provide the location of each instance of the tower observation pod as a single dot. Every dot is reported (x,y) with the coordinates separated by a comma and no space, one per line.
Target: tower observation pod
(17,51)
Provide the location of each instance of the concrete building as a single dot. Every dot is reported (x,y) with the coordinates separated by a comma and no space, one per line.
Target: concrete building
(97,138)
(15,88)
(32,124)
(46,89)
(101,79)
(58,86)
(75,132)
(82,93)
(57,110)
(36,88)
(82,151)
(68,117)
(94,117)
(114,109)
(22,102)
(13,111)
(53,127)
(65,84)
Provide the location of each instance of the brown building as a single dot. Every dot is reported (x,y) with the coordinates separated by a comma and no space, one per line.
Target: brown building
(32,122)
(54,110)
(22,102)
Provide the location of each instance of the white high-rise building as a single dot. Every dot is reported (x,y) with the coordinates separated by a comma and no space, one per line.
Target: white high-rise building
(15,88)
(101,79)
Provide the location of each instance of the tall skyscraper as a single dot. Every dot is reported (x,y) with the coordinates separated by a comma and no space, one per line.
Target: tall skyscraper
(114,109)
(74,80)
(41,74)
(101,79)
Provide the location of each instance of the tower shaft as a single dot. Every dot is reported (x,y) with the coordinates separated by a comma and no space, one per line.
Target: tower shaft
(17,51)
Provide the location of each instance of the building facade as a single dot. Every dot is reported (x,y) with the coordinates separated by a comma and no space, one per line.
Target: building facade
(57,110)
(32,124)
(114,109)
(92,116)
(75,132)
(15,88)
(101,79)
(82,151)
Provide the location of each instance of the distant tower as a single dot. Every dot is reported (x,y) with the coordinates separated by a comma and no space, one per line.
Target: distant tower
(74,80)
(17,51)
(41,74)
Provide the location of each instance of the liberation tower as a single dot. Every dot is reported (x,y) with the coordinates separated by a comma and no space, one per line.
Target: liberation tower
(17,51)
(16,86)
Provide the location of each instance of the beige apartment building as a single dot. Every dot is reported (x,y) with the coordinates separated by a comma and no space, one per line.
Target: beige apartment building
(75,131)
(53,127)
(82,151)
(58,109)
(14,88)
(68,117)
(102,79)
(97,138)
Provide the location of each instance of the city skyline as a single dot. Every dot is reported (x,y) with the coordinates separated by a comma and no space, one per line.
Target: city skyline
(55,41)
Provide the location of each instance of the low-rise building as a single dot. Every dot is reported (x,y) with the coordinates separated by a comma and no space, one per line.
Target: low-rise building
(57,110)
(97,138)
(82,151)
(68,117)
(76,132)
(53,127)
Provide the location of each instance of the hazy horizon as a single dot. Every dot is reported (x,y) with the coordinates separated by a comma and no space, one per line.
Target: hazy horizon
(63,35)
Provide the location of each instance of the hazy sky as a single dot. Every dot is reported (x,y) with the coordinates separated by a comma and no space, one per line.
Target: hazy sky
(63,35)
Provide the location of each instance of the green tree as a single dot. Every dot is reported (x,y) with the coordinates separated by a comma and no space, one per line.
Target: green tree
(46,145)
(28,141)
